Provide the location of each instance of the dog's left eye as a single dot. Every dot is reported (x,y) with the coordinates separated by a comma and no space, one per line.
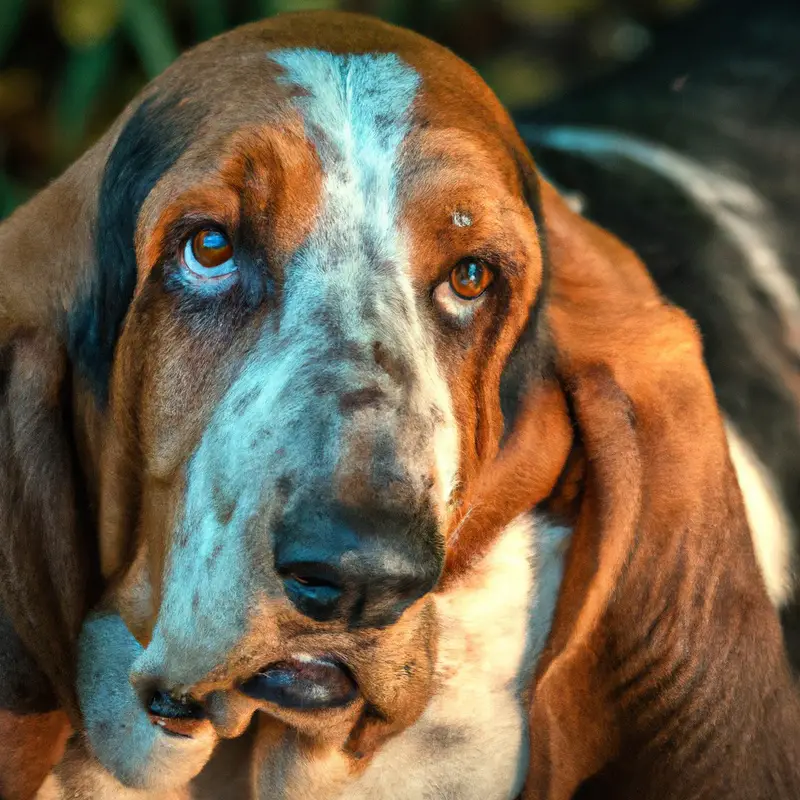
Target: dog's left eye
(209,254)
(470,278)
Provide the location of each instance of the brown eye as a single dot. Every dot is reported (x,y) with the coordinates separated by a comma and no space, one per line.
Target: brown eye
(209,254)
(470,278)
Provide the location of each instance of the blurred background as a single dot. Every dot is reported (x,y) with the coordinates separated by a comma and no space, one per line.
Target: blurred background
(67,67)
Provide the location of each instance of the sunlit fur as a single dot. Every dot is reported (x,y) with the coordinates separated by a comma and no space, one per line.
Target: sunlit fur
(185,433)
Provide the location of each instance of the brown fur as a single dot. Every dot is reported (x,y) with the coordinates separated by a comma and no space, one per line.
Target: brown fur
(32,746)
(664,675)
(43,561)
(33,729)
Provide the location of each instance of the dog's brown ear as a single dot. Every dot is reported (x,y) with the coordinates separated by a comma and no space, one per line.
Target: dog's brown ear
(67,276)
(46,542)
(664,674)
(48,266)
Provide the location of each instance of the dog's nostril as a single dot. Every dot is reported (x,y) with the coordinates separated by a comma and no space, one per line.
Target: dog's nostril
(312,589)
(362,566)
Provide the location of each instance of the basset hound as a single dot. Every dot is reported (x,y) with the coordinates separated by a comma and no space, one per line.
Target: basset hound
(318,402)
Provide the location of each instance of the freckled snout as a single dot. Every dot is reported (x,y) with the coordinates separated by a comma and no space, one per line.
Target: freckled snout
(363,567)
(358,540)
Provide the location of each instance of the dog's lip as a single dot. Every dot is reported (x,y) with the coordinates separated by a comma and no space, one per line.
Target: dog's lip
(178,716)
(303,683)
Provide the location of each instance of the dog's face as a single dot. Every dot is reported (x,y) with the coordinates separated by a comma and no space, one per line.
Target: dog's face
(334,259)
(281,329)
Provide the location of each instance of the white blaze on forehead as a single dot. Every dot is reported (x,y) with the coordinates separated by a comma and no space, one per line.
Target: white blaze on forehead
(357,111)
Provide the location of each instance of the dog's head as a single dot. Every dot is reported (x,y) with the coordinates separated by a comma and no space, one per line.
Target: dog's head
(294,292)
(288,345)
(330,265)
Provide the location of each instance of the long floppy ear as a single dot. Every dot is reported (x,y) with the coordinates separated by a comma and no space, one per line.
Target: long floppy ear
(46,548)
(67,275)
(665,674)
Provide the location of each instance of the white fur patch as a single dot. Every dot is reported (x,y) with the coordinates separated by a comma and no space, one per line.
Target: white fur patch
(351,274)
(137,753)
(79,777)
(773,538)
(357,110)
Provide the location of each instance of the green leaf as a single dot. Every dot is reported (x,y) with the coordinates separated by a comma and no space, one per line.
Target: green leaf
(150,33)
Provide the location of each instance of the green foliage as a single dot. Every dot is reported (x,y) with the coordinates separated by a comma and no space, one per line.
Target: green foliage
(68,67)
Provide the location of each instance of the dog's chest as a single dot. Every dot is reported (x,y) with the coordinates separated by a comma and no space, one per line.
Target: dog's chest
(472,740)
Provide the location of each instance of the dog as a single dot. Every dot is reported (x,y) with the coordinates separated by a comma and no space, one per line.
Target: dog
(692,157)
(318,402)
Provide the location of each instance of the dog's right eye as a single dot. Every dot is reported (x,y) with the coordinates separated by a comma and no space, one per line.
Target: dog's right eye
(209,254)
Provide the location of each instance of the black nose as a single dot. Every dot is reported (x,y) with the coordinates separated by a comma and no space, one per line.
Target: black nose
(365,569)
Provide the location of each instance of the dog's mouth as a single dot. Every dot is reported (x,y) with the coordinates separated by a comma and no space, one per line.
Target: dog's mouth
(303,683)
